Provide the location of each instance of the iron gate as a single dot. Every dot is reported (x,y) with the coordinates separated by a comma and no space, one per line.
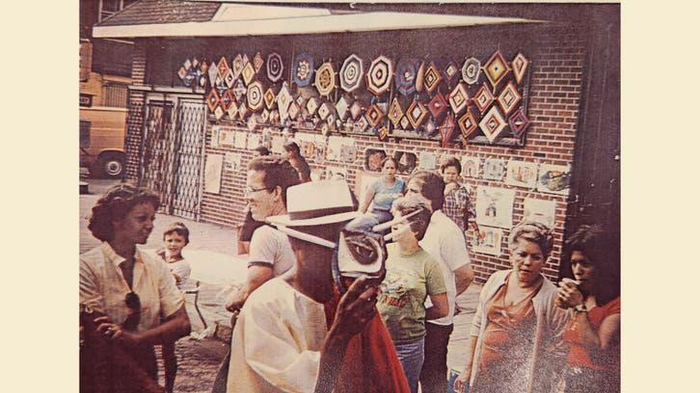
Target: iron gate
(171,159)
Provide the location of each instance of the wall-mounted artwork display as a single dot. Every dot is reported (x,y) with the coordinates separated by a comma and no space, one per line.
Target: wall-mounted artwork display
(237,66)
(493,169)
(470,167)
(227,137)
(253,141)
(374,115)
(258,62)
(554,179)
(325,79)
(379,75)
(437,105)
(277,144)
(431,78)
(539,210)
(427,161)
(450,72)
(248,73)
(407,162)
(218,112)
(518,122)
(416,114)
(351,73)
(405,79)
(509,98)
(468,124)
(275,67)
(519,66)
(447,130)
(494,206)
(492,124)
(336,173)
(335,145)
(255,96)
(303,69)
(496,68)
(215,135)
(320,153)
(458,99)
(471,70)
(212,173)
(488,241)
(232,161)
(348,151)
(239,140)
(284,100)
(521,174)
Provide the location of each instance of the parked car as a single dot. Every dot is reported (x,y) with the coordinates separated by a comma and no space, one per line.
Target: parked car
(102,131)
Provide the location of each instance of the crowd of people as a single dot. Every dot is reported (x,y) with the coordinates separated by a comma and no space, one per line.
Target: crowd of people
(352,297)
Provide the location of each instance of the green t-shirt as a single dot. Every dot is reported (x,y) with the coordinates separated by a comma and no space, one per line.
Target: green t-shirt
(409,280)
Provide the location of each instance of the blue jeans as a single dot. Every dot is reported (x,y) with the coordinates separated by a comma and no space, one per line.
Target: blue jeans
(411,357)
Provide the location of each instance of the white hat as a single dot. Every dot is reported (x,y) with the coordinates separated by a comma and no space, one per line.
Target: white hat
(317,203)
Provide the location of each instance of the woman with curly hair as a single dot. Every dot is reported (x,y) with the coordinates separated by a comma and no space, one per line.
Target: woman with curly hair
(126,289)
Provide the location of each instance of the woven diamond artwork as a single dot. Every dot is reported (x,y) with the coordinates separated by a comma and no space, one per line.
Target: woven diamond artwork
(458,99)
(341,107)
(351,73)
(404,123)
(274,67)
(212,100)
(265,115)
(430,127)
(274,116)
(518,122)
(284,99)
(383,133)
(269,98)
(450,71)
(229,79)
(219,112)
(360,125)
(303,69)
(258,62)
(323,111)
(437,105)
(374,115)
(213,73)
(447,129)
(405,79)
(232,111)
(432,78)
(242,111)
(237,65)
(248,73)
(471,70)
(519,65)
(293,111)
(325,79)
(300,101)
(239,89)
(492,124)
(416,114)
(496,68)
(395,112)
(182,73)
(312,105)
(420,77)
(255,96)
(355,110)
(483,98)
(227,100)
(379,75)
(468,124)
(222,66)
(509,98)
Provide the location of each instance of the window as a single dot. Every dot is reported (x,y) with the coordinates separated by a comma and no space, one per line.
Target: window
(111,7)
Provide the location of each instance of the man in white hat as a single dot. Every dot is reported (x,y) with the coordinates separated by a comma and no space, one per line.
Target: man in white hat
(282,341)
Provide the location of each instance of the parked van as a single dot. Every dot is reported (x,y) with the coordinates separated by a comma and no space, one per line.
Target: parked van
(102,131)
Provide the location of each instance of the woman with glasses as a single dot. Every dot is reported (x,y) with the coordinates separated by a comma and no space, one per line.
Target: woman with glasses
(127,290)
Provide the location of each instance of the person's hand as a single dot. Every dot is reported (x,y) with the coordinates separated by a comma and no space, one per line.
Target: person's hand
(568,295)
(450,187)
(235,300)
(356,308)
(462,381)
(115,332)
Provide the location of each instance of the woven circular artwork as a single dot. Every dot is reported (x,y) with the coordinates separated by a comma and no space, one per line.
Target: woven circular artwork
(351,73)
(406,72)
(255,96)
(471,70)
(274,67)
(303,69)
(325,79)
(379,75)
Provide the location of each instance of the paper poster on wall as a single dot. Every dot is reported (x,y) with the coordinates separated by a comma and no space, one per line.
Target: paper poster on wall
(539,210)
(215,130)
(232,161)
(494,206)
(335,150)
(488,241)
(266,136)
(493,169)
(336,173)
(348,152)
(277,145)
(253,141)
(554,179)
(212,173)
(522,174)
(239,140)
(427,161)
(320,153)
(470,167)
(226,138)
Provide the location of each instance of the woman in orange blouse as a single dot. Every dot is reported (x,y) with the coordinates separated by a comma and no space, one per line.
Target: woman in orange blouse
(593,364)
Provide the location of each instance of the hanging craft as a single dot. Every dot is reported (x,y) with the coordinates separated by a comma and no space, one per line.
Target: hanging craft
(301,101)
(255,96)
(492,124)
(222,66)
(274,67)
(227,100)
(416,113)
(213,72)
(325,79)
(229,79)
(265,115)
(383,133)
(518,122)
(437,105)
(341,107)
(212,99)
(284,99)
(420,77)
(404,123)
(395,112)
(258,62)
(471,70)
(493,169)
(293,111)
(303,69)
(242,111)
(269,98)
(219,112)
(430,128)
(509,98)
(351,73)
(483,98)
(248,73)
(447,129)
(312,105)
(519,65)
(450,72)
(468,124)
(355,109)
(360,125)
(233,110)
(554,179)
(274,116)
(405,79)
(379,75)
(237,65)
(374,115)
(182,72)
(489,241)
(239,89)
(470,166)
(496,68)
(432,78)
(458,99)
(324,111)
(521,173)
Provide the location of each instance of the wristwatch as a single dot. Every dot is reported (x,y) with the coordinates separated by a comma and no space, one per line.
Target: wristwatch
(580,308)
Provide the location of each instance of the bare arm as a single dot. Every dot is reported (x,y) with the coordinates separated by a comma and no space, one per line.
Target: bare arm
(463,277)
(367,200)
(176,325)
(607,335)
(463,379)
(440,307)
(257,276)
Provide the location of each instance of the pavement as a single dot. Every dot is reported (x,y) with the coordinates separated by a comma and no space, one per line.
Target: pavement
(212,253)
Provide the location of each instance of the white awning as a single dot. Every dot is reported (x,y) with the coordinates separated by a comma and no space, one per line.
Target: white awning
(234,20)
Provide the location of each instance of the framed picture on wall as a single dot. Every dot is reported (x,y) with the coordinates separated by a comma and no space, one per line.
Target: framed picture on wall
(470,167)
(554,179)
(521,174)
(493,169)
(539,210)
(494,206)
(488,241)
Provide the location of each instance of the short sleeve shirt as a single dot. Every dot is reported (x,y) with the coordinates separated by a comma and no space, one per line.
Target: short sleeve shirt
(409,280)
(268,246)
(385,195)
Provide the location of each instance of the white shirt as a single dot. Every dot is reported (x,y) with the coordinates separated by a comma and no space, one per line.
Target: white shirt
(103,287)
(276,343)
(270,246)
(444,241)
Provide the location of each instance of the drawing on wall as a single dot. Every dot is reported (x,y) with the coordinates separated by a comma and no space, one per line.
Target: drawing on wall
(494,206)
(348,152)
(488,241)
(470,166)
(554,179)
(253,141)
(320,152)
(226,137)
(493,169)
(539,210)
(239,140)
(277,144)
(336,151)
(336,173)
(212,173)
(522,174)
(427,161)
(232,161)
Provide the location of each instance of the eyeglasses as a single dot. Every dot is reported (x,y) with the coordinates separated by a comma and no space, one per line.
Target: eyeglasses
(250,190)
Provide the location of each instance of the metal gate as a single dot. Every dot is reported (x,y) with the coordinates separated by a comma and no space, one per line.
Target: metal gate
(171,154)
